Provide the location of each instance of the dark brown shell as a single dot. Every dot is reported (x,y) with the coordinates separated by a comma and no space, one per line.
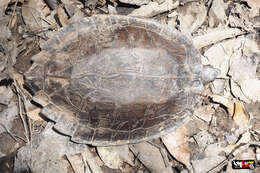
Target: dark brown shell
(108,80)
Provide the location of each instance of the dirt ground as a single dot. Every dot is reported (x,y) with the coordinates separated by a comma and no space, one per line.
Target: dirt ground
(225,127)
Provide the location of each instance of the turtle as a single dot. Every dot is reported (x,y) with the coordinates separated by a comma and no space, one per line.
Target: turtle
(113,80)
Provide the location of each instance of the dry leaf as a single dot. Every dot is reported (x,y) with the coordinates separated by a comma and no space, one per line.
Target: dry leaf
(63,18)
(6,2)
(21,1)
(251,89)
(177,143)
(214,36)
(33,112)
(135,2)
(153,8)
(19,78)
(205,113)
(92,161)
(32,12)
(13,21)
(114,156)
(224,101)
(253,3)
(76,163)
(240,117)
(191,21)
(150,156)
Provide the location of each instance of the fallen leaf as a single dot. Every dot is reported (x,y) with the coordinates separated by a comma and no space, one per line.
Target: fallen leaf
(32,13)
(6,2)
(115,156)
(243,67)
(153,8)
(76,163)
(6,95)
(135,2)
(150,156)
(33,111)
(177,143)
(240,116)
(63,18)
(13,21)
(205,113)
(251,89)
(225,102)
(253,3)
(14,1)
(191,16)
(215,36)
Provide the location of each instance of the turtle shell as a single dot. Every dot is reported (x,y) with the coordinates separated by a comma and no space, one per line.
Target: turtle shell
(111,80)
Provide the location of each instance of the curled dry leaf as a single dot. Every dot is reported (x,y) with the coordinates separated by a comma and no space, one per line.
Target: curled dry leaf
(236,109)
(240,116)
(177,143)
(215,35)
(135,2)
(153,8)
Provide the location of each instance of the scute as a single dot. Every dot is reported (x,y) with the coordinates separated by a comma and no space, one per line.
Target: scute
(121,80)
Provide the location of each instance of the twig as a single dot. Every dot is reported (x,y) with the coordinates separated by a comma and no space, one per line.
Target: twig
(163,153)
(14,136)
(136,154)
(21,115)
(7,130)
(86,165)
(15,5)
(225,161)
(91,161)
